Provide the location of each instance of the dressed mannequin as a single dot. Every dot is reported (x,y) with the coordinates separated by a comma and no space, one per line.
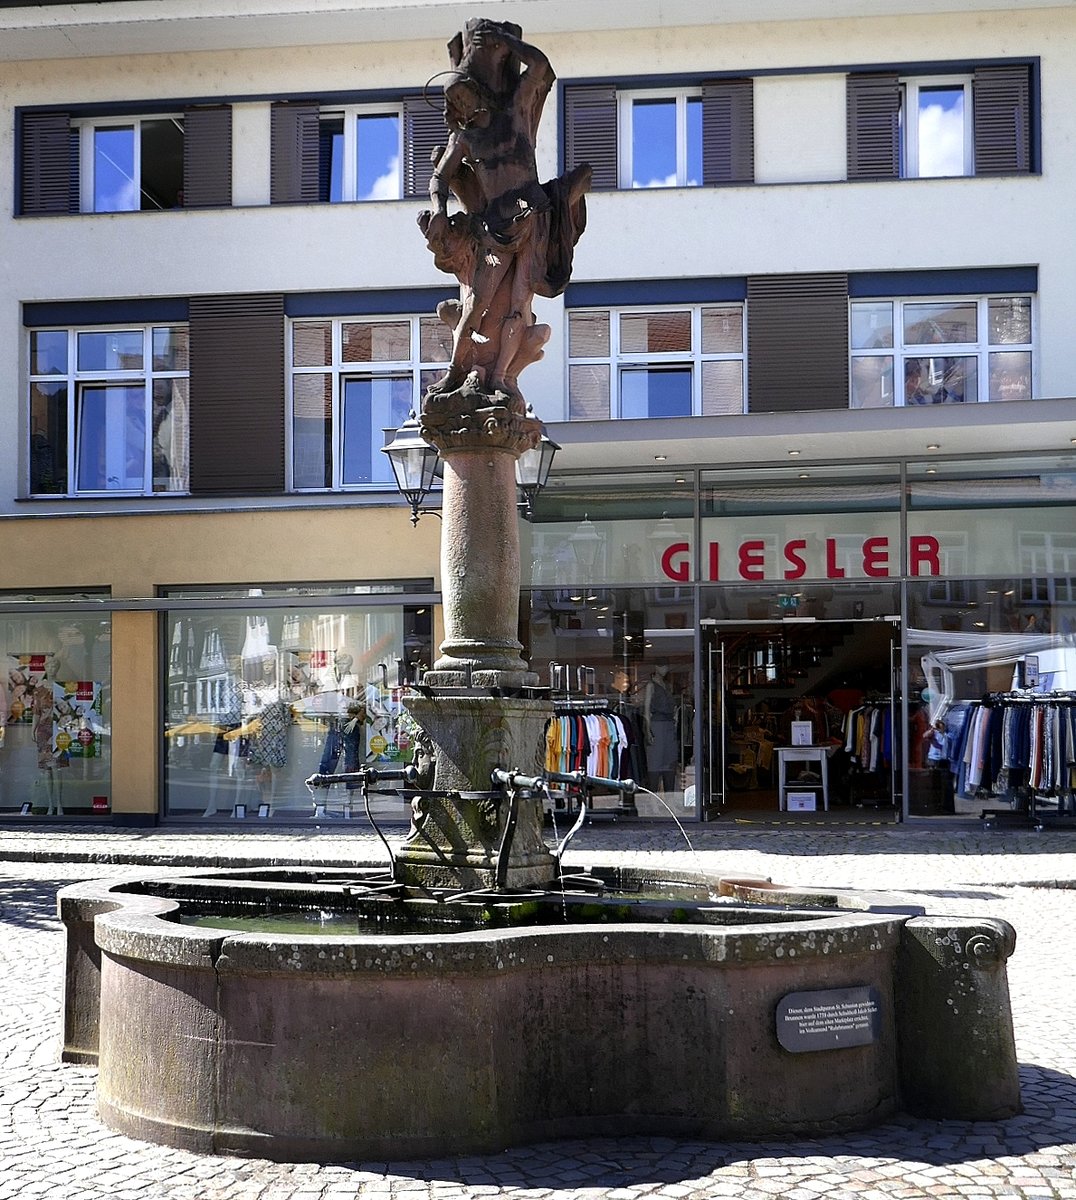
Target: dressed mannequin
(42,705)
(659,723)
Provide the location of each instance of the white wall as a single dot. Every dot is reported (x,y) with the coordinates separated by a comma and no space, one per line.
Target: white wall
(788,221)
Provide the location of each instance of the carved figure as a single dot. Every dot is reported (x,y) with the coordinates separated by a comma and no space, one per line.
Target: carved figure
(514,237)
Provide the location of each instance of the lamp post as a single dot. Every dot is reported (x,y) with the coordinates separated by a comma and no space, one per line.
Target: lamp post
(532,470)
(414,463)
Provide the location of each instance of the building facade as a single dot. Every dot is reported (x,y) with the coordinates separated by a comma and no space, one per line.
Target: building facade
(810,532)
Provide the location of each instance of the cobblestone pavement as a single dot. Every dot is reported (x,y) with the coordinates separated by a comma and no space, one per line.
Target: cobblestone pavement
(52,1145)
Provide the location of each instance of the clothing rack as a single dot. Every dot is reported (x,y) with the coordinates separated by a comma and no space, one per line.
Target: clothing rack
(1022,746)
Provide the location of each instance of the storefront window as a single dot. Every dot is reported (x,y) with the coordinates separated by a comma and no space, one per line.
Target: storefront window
(975,656)
(259,699)
(623,657)
(55,715)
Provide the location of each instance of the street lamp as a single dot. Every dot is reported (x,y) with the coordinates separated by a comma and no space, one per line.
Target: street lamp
(532,470)
(414,463)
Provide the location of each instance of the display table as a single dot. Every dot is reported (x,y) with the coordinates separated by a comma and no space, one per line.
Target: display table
(803,754)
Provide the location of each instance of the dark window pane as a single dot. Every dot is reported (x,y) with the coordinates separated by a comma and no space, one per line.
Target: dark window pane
(331,159)
(588,392)
(171,435)
(940,380)
(931,324)
(722,388)
(162,164)
(171,350)
(111,438)
(312,344)
(115,350)
(48,352)
(1010,320)
(655,393)
(872,325)
(312,431)
(1010,375)
(369,407)
(653,143)
(872,381)
(115,188)
(722,330)
(694,141)
(48,438)
(588,334)
(655,333)
(941,131)
(377,157)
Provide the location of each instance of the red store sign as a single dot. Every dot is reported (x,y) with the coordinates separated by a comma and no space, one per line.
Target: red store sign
(797,558)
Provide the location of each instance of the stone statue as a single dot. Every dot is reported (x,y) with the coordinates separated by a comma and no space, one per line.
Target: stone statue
(513,237)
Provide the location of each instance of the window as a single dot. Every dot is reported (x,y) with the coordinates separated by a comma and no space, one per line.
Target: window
(350,380)
(660,139)
(131,164)
(918,125)
(108,411)
(683,136)
(361,154)
(935,351)
(377,150)
(936,128)
(150,162)
(660,362)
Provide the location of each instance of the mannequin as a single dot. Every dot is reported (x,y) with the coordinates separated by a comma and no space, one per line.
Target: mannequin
(659,723)
(43,705)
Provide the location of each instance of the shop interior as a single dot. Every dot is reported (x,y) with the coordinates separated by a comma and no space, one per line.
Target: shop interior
(802,718)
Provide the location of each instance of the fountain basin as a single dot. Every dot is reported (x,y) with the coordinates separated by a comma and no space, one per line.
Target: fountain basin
(657,1017)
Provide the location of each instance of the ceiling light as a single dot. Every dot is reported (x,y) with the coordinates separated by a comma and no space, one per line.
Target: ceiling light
(932,470)
(804,475)
(680,479)
(660,457)
(793,454)
(933,446)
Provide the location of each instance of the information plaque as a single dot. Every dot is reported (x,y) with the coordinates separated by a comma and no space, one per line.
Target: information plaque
(829,1020)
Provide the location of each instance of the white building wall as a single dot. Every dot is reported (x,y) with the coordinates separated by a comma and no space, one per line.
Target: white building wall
(794,219)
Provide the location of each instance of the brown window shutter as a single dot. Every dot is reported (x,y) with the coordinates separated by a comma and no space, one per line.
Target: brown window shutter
(294,152)
(424,131)
(207,157)
(873,107)
(1001,105)
(590,132)
(49,164)
(797,342)
(237,395)
(728,131)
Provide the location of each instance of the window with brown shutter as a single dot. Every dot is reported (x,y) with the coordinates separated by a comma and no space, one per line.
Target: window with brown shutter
(293,153)
(661,136)
(237,394)
(590,132)
(873,105)
(207,157)
(424,130)
(1001,101)
(728,131)
(797,336)
(48,161)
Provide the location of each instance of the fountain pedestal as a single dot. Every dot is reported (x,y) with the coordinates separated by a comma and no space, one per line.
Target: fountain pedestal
(459,829)
(479,435)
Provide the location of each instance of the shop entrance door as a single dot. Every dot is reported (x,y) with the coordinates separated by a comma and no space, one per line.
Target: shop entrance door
(801,716)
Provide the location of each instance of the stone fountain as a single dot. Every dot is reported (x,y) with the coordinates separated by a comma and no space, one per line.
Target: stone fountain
(473,992)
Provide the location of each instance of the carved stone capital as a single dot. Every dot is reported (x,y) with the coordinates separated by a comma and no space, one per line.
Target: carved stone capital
(470,418)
